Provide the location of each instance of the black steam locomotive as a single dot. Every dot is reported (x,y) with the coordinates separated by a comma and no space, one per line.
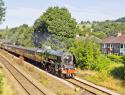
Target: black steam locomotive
(54,61)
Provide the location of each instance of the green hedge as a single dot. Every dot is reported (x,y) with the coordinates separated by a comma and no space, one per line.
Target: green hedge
(115,58)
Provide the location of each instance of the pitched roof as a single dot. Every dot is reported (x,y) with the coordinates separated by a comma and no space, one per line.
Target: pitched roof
(118,39)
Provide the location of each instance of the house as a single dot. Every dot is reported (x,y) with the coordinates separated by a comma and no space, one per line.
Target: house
(114,45)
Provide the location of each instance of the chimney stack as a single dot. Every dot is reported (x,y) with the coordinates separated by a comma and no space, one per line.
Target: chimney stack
(77,36)
(119,34)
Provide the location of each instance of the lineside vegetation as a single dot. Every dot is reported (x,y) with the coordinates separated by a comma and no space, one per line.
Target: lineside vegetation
(58,29)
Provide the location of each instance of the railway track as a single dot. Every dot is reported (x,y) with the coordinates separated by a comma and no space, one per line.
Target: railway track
(29,87)
(90,88)
(85,90)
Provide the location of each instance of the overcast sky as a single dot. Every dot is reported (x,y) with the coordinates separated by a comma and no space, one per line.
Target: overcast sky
(27,11)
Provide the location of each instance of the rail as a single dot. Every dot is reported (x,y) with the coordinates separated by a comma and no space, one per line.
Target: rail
(29,86)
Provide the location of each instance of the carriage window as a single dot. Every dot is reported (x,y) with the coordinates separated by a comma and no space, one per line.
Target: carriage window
(58,59)
(38,53)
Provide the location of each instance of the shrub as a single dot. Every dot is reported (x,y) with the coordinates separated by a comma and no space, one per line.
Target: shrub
(102,63)
(123,61)
(115,58)
(88,56)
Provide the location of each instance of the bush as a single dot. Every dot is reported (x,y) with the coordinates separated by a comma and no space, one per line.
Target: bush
(123,61)
(115,58)
(88,56)
(102,63)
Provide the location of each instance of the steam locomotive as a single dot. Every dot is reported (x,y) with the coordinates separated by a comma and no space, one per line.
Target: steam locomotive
(54,61)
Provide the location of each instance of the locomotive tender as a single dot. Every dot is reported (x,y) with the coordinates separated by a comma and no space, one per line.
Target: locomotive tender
(54,61)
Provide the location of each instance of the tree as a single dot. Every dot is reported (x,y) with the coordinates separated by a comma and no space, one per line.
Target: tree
(120,20)
(57,22)
(82,22)
(109,28)
(2,11)
(21,35)
(86,53)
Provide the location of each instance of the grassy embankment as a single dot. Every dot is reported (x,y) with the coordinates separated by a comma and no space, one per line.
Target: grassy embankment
(4,87)
(54,85)
(113,77)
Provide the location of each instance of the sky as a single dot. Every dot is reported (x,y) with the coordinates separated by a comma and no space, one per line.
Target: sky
(20,12)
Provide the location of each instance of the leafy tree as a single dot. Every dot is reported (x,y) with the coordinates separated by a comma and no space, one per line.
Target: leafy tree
(82,22)
(109,28)
(2,11)
(88,56)
(1,35)
(58,23)
(21,35)
(88,22)
(40,26)
(120,19)
(86,53)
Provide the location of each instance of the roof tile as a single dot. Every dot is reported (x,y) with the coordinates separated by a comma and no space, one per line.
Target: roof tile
(118,39)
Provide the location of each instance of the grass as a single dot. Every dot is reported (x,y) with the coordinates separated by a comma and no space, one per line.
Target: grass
(112,79)
(20,61)
(29,68)
(56,86)
(43,79)
(5,89)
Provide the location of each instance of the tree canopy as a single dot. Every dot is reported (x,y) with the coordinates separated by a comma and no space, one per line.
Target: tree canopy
(103,29)
(57,21)
(120,20)
(88,55)
(110,28)
(2,11)
(21,35)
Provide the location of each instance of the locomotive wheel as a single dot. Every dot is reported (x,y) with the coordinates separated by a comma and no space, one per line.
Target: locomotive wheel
(63,76)
(72,75)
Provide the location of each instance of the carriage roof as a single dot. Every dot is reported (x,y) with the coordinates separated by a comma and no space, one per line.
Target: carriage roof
(24,48)
(41,50)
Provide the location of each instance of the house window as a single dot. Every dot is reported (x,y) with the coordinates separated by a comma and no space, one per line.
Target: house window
(108,45)
(118,46)
(111,45)
(121,45)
